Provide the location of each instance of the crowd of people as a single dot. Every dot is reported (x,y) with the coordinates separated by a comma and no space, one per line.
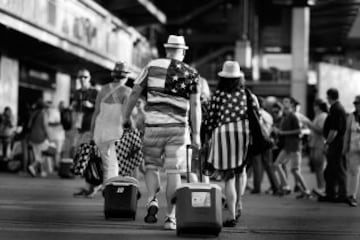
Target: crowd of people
(171,104)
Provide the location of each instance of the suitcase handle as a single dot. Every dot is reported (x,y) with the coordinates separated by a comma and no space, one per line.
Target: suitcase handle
(188,147)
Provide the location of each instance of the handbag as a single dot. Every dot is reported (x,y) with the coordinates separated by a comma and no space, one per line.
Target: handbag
(93,173)
(50,151)
(129,151)
(260,141)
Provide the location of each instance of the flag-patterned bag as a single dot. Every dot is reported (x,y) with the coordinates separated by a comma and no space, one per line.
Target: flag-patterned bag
(129,151)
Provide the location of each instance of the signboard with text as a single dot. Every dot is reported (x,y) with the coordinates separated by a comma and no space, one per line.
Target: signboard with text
(82,23)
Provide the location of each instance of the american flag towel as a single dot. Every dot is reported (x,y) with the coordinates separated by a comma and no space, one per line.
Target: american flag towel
(229,143)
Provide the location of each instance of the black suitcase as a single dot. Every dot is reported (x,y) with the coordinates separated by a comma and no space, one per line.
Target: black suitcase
(198,207)
(66,168)
(121,197)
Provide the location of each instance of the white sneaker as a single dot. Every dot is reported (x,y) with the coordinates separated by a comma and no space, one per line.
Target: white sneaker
(170,223)
(32,170)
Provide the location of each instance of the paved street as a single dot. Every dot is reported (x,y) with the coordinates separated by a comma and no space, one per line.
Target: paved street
(34,208)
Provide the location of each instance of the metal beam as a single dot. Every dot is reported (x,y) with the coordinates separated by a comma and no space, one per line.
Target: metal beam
(211,56)
(118,5)
(196,12)
(153,10)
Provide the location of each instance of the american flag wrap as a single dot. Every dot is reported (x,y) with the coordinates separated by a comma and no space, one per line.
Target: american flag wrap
(129,151)
(228,126)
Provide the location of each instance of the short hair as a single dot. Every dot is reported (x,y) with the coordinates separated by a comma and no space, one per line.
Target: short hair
(321,104)
(294,102)
(332,93)
(278,105)
(83,70)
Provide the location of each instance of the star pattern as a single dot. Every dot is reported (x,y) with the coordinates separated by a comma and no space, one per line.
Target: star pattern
(226,107)
(181,80)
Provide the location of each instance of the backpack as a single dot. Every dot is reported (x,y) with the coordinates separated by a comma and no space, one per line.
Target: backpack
(66,119)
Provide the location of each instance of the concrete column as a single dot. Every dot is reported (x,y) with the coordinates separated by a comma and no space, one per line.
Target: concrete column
(300,54)
(63,88)
(9,84)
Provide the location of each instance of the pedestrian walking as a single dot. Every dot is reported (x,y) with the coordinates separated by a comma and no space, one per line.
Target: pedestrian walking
(316,144)
(171,90)
(264,161)
(107,122)
(227,126)
(38,138)
(352,152)
(7,130)
(290,131)
(84,105)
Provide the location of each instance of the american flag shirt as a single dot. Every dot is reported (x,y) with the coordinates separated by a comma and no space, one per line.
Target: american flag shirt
(169,84)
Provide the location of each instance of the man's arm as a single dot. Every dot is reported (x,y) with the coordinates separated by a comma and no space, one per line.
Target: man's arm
(131,102)
(195,117)
(331,136)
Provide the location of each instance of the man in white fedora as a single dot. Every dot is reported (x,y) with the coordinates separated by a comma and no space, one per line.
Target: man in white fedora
(172,93)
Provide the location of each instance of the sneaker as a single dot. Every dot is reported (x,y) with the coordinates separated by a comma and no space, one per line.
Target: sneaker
(32,170)
(170,223)
(43,174)
(352,201)
(230,223)
(305,195)
(152,210)
(82,193)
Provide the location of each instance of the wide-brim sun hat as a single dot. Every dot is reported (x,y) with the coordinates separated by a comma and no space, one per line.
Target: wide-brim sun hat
(176,42)
(231,69)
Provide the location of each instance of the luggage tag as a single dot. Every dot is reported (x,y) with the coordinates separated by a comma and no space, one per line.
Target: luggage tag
(200,199)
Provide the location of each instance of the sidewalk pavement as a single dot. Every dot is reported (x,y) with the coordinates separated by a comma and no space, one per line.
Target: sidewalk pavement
(36,208)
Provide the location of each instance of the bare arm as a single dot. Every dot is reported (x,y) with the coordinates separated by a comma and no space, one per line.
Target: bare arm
(195,117)
(46,123)
(331,136)
(130,103)
(96,113)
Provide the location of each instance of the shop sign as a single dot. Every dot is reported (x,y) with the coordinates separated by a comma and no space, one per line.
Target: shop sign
(37,77)
(83,23)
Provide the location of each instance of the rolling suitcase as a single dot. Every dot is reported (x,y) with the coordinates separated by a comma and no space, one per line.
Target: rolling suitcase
(66,168)
(198,206)
(121,197)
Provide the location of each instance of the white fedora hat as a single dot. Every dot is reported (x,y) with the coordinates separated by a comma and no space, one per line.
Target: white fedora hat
(176,42)
(231,69)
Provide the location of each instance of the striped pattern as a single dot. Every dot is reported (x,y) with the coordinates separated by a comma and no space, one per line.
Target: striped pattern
(229,145)
(167,82)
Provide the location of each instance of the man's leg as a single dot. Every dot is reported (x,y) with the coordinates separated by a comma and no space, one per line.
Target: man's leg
(269,169)
(173,182)
(341,177)
(329,177)
(279,163)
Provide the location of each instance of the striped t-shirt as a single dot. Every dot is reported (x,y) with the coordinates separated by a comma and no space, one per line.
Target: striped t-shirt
(169,84)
